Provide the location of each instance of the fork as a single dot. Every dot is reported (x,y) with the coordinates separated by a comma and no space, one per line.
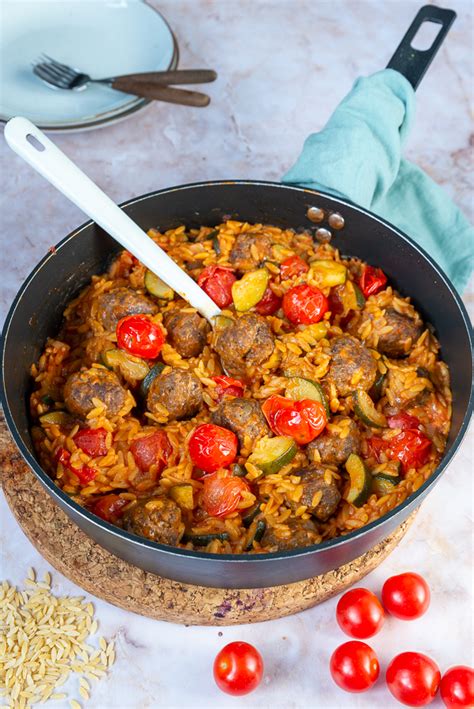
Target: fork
(152,85)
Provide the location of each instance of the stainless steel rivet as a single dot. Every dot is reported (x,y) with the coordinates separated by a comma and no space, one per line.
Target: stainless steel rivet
(315,214)
(336,220)
(323,235)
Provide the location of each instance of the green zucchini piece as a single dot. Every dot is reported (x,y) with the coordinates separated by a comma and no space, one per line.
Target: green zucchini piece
(221,322)
(329,273)
(299,388)
(280,252)
(260,528)
(360,298)
(155,286)
(58,418)
(249,290)
(250,514)
(147,381)
(271,454)
(47,400)
(131,367)
(382,484)
(215,241)
(202,540)
(238,471)
(364,408)
(360,481)
(182,494)
(377,386)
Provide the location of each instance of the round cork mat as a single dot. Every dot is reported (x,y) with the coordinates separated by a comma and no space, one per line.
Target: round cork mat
(104,575)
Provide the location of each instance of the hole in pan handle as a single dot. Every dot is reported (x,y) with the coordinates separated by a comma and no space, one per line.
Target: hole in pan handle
(413,63)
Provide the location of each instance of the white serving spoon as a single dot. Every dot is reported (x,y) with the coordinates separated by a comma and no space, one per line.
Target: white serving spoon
(33,146)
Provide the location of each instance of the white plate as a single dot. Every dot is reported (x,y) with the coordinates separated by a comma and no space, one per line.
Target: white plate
(100,37)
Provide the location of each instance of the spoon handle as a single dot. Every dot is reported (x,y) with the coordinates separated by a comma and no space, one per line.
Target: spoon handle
(44,156)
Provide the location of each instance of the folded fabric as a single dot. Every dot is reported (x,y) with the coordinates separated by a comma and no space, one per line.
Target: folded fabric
(357,156)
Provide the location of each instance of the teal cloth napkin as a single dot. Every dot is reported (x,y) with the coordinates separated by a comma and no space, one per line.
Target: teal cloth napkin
(357,156)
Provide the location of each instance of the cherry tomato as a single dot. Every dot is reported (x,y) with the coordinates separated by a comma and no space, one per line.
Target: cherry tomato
(92,441)
(269,304)
(372,280)
(221,495)
(457,687)
(226,386)
(139,336)
(304,304)
(412,448)
(403,421)
(360,613)
(154,449)
(302,420)
(354,666)
(217,282)
(376,446)
(109,507)
(238,668)
(212,447)
(85,474)
(293,266)
(406,596)
(413,678)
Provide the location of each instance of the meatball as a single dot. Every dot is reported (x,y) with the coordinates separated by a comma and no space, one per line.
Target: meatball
(314,482)
(247,342)
(187,332)
(241,256)
(302,534)
(156,518)
(352,366)
(336,443)
(403,335)
(120,302)
(94,383)
(179,391)
(242,416)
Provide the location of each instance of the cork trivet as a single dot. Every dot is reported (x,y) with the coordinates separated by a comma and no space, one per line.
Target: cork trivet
(97,571)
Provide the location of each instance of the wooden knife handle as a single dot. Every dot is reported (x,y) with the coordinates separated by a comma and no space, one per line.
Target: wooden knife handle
(157,92)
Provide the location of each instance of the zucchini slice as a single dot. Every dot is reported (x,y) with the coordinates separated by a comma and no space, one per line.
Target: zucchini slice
(238,471)
(250,514)
(377,386)
(259,531)
(366,411)
(250,289)
(155,286)
(130,367)
(299,388)
(214,235)
(56,418)
(221,322)
(360,298)
(383,483)
(147,381)
(280,252)
(182,494)
(328,273)
(360,481)
(271,454)
(202,540)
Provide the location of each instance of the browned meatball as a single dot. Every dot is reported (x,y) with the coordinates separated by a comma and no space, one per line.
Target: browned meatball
(302,534)
(94,383)
(187,332)
(179,391)
(120,302)
(403,335)
(314,482)
(241,256)
(156,518)
(335,446)
(246,343)
(242,416)
(352,366)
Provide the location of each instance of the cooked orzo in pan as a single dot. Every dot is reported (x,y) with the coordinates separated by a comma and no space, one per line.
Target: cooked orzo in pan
(315,404)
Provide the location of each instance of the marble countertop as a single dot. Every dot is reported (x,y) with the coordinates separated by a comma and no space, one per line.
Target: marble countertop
(283,66)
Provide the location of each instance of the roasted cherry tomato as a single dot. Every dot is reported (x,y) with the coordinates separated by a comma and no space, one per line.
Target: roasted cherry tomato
(457,687)
(238,668)
(412,448)
(413,678)
(302,420)
(293,266)
(304,305)
(221,495)
(139,336)
(85,474)
(154,449)
(376,446)
(372,280)
(406,596)
(217,282)
(403,421)
(212,447)
(227,386)
(269,304)
(92,441)
(360,613)
(354,666)
(109,507)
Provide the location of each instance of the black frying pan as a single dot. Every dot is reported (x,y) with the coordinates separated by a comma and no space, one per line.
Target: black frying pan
(37,310)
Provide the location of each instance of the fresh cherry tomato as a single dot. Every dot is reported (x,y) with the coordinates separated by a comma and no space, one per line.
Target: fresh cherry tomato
(212,447)
(372,280)
(413,678)
(457,687)
(304,305)
(403,421)
(354,666)
(412,448)
(238,668)
(154,449)
(269,304)
(139,336)
(360,613)
(406,596)
(217,282)
(85,474)
(227,386)
(109,507)
(92,441)
(302,420)
(293,266)
(221,495)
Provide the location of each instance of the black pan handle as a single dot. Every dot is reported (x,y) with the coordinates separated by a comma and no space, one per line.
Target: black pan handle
(413,63)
